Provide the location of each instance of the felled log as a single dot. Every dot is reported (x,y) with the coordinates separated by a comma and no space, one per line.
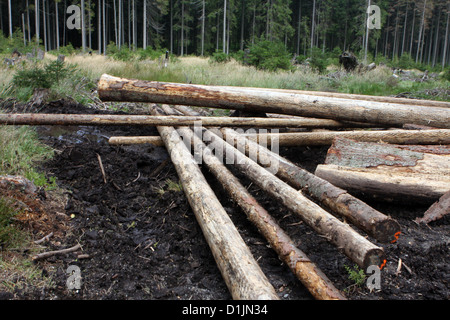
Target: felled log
(153,140)
(119,89)
(440,136)
(139,120)
(241,273)
(306,271)
(355,246)
(407,101)
(376,224)
(439,209)
(387,171)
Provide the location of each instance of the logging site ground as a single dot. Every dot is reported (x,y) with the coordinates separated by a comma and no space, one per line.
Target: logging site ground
(125,206)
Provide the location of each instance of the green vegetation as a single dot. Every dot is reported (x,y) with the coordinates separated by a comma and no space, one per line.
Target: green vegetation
(8,232)
(269,55)
(20,152)
(356,275)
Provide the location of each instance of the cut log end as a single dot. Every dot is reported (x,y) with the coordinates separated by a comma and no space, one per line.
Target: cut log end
(374,257)
(387,231)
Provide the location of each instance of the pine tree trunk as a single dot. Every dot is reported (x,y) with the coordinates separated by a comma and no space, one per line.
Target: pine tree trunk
(421,31)
(444,54)
(104,27)
(45,25)
(404,30)
(10,19)
(144,28)
(312,25)
(28,22)
(99,26)
(57,25)
(224,25)
(83,26)
(36,12)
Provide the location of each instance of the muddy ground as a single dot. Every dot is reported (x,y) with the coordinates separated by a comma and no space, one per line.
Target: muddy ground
(142,240)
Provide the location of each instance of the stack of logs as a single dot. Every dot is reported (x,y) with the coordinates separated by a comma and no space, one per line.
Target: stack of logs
(396,148)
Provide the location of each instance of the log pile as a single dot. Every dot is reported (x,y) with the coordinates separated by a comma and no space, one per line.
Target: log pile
(371,153)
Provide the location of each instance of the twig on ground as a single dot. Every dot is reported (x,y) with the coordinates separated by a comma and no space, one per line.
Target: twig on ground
(52,253)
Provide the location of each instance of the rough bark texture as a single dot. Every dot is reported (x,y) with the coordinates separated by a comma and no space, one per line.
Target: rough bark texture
(305,270)
(356,247)
(240,271)
(387,171)
(119,89)
(87,119)
(376,224)
(441,136)
(437,210)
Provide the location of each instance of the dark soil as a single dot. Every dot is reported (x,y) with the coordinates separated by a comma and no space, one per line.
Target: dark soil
(143,241)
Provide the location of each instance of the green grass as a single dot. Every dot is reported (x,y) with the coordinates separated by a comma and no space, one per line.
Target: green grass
(21,151)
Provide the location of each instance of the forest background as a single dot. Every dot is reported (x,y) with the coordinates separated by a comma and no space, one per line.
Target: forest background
(412,33)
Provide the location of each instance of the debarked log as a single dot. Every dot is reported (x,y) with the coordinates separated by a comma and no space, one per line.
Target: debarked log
(399,173)
(242,274)
(120,89)
(354,245)
(140,120)
(415,137)
(373,222)
(306,271)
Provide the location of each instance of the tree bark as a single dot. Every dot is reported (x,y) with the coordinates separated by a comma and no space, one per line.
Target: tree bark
(119,89)
(386,171)
(89,119)
(432,137)
(356,247)
(240,271)
(376,224)
(407,101)
(305,270)
(437,210)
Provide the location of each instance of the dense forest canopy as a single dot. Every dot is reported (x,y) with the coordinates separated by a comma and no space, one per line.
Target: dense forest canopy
(417,28)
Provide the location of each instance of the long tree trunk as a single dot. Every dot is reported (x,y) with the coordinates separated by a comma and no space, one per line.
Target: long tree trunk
(436,40)
(24,30)
(57,25)
(28,22)
(144,28)
(171,26)
(444,54)
(83,26)
(104,27)
(224,25)
(299,26)
(244,278)
(340,234)
(36,11)
(120,24)
(412,31)
(313,24)
(10,19)
(421,32)
(378,225)
(404,29)
(44,21)
(119,89)
(115,23)
(305,270)
(134,25)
